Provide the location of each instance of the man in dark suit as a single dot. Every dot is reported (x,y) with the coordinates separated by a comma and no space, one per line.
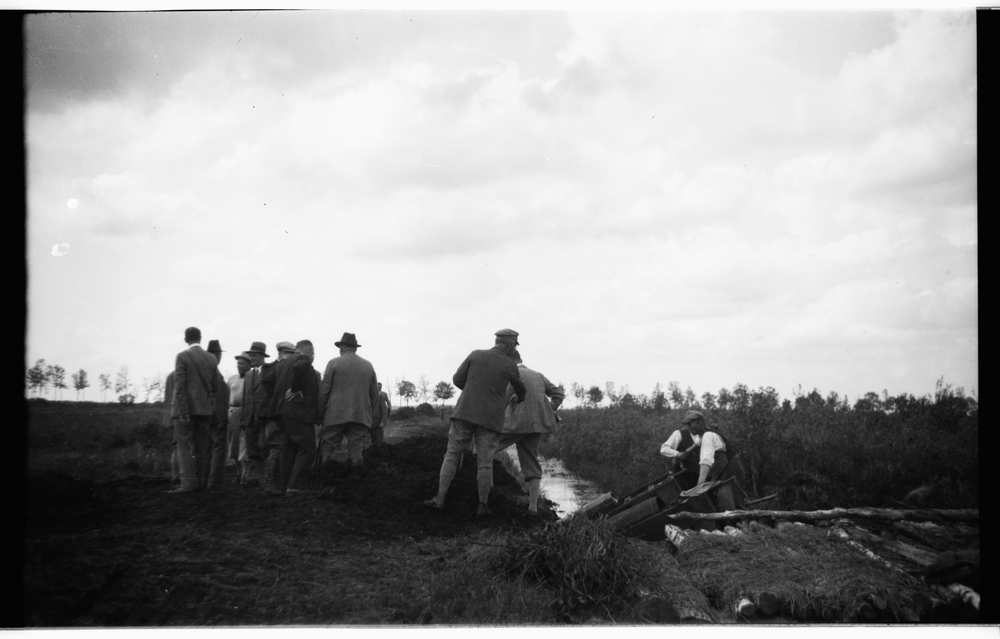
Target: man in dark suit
(479,414)
(347,394)
(295,408)
(194,379)
(218,424)
(272,427)
(253,418)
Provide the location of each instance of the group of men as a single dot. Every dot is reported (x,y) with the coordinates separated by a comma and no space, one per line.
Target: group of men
(269,416)
(272,418)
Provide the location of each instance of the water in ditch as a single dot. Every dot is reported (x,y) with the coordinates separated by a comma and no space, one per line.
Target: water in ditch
(564,489)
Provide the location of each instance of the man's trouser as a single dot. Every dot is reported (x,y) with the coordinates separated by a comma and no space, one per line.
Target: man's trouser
(298,452)
(218,432)
(459,436)
(255,436)
(331,437)
(378,432)
(272,465)
(194,445)
(527,452)
(235,416)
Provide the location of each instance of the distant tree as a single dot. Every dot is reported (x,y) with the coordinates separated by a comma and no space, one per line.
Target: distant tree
(627,399)
(676,395)
(659,399)
(708,400)
(150,386)
(612,395)
(423,388)
(595,396)
(59,380)
(690,400)
(123,383)
(444,391)
(160,382)
(406,390)
(870,402)
(578,392)
(105,384)
(725,398)
(80,382)
(37,377)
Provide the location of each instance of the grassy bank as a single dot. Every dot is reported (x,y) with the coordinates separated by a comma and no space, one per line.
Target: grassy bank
(813,453)
(106,545)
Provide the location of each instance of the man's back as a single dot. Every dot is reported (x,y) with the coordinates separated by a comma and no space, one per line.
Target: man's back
(194,379)
(534,414)
(349,390)
(483,378)
(295,374)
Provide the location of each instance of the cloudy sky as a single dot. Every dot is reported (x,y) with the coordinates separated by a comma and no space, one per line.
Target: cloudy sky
(768,198)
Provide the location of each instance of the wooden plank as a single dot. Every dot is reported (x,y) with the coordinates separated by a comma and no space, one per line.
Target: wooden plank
(966,515)
(916,555)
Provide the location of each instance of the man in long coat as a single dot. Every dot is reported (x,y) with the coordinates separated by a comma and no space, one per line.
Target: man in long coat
(194,378)
(254,418)
(347,394)
(380,416)
(479,414)
(525,423)
(294,406)
(218,426)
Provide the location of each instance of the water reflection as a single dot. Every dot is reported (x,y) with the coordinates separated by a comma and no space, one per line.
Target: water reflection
(564,489)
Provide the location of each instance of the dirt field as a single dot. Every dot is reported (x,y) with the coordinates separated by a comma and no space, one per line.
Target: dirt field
(363,551)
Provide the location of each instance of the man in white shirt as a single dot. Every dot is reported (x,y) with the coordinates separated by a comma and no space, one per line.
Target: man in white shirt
(681,448)
(717,461)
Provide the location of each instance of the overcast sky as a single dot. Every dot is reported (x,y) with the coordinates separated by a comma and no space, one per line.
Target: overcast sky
(767,198)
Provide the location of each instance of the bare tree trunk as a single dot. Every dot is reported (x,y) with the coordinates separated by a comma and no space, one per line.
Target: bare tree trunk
(966,515)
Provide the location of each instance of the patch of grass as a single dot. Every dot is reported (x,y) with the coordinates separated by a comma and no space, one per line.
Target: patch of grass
(591,568)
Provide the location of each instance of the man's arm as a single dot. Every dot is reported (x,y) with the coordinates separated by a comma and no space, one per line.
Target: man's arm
(669,447)
(461,375)
(324,388)
(518,385)
(180,384)
(553,392)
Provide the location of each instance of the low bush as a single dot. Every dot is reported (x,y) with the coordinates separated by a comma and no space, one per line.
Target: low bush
(404,412)
(426,410)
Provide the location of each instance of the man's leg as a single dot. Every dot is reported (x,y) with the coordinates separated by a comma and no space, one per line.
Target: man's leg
(330,438)
(302,440)
(255,454)
(486,445)
(273,431)
(202,439)
(188,473)
(218,434)
(459,436)
(233,435)
(531,469)
(356,435)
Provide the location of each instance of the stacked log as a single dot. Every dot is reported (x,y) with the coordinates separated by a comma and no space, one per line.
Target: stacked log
(886,514)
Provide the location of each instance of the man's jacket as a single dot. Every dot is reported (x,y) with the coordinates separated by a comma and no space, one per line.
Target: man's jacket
(483,378)
(255,396)
(349,390)
(534,414)
(294,374)
(195,380)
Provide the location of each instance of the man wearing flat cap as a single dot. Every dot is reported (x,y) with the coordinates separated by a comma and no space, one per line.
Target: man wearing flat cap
(253,418)
(717,460)
(218,425)
(479,414)
(235,416)
(195,385)
(273,437)
(682,450)
(295,411)
(346,396)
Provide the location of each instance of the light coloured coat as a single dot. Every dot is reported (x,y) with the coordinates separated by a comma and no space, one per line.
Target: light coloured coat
(195,380)
(535,413)
(348,391)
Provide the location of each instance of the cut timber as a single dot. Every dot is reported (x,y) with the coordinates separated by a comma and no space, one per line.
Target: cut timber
(745,607)
(597,506)
(867,553)
(689,603)
(768,603)
(967,515)
(675,535)
(916,555)
(967,594)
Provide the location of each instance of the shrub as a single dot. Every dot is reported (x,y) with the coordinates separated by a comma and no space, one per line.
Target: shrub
(404,412)
(426,410)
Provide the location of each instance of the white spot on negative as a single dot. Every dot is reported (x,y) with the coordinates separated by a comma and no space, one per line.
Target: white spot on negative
(72,203)
(60,249)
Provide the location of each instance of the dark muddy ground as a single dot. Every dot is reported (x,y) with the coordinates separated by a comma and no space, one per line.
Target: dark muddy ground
(362,551)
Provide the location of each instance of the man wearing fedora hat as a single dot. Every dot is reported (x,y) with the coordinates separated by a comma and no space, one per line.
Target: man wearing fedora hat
(253,418)
(195,385)
(218,425)
(237,442)
(479,414)
(347,394)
